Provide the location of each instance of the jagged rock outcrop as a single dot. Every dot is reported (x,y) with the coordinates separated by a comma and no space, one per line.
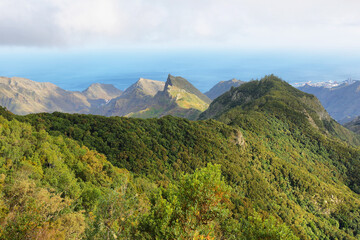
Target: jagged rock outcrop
(179,98)
(133,99)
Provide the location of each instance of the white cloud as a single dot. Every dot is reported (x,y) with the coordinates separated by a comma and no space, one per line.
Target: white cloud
(255,24)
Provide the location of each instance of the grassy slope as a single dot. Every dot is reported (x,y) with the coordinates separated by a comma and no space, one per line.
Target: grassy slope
(187,100)
(175,102)
(179,98)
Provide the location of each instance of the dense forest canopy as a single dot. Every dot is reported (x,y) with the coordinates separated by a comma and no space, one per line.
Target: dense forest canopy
(272,165)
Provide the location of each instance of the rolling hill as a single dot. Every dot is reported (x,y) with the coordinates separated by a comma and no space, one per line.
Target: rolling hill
(101,91)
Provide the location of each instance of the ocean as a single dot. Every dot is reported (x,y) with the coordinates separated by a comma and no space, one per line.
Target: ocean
(76,70)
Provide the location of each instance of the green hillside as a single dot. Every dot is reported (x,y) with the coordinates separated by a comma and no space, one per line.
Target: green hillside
(276,98)
(179,98)
(51,188)
(281,169)
(182,83)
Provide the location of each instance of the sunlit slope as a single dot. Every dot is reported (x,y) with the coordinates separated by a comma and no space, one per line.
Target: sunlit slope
(179,98)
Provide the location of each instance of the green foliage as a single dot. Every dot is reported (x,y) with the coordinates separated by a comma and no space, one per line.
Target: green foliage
(51,185)
(156,147)
(282,168)
(258,228)
(290,174)
(194,208)
(278,98)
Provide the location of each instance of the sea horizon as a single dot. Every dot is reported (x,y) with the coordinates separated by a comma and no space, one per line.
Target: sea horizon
(75,71)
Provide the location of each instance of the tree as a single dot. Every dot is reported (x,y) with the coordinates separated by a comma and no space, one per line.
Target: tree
(194,208)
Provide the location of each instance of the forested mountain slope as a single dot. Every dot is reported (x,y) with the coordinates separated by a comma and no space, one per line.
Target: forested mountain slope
(51,188)
(275,98)
(278,149)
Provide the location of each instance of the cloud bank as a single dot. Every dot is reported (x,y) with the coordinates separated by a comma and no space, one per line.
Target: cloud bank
(252,24)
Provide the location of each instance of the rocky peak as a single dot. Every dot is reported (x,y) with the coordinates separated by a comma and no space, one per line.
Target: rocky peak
(102,91)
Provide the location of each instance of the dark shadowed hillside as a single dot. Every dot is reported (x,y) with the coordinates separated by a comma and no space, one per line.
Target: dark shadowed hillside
(342,102)
(222,87)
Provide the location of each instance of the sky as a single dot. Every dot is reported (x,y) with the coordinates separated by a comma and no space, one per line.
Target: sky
(233,24)
(73,43)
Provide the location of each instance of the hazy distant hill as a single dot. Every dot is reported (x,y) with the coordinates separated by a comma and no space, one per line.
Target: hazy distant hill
(145,98)
(101,91)
(342,102)
(133,99)
(354,125)
(178,98)
(222,87)
(24,96)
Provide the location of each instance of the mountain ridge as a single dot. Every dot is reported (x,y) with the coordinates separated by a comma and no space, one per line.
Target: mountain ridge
(145,98)
(182,83)
(178,98)
(270,94)
(222,87)
(342,101)
(102,91)
(23,96)
(275,144)
(133,99)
